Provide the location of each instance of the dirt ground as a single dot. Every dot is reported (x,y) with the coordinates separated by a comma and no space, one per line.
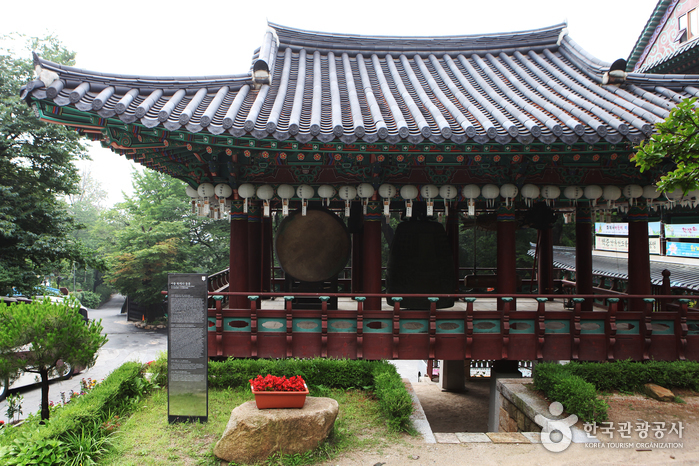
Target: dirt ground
(468,412)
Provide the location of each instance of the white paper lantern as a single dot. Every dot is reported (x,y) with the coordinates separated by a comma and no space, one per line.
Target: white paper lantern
(285,192)
(508,192)
(408,192)
(550,193)
(205,190)
(429,191)
(490,192)
(326,192)
(223,191)
(611,193)
(246,190)
(305,191)
(632,192)
(651,192)
(674,196)
(365,190)
(191,192)
(347,193)
(573,193)
(471,191)
(593,192)
(448,192)
(265,192)
(693,198)
(387,191)
(529,193)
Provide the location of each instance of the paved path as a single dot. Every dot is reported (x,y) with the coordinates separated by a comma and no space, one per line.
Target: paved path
(126,343)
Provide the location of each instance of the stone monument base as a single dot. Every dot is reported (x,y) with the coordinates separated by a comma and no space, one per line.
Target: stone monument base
(254,434)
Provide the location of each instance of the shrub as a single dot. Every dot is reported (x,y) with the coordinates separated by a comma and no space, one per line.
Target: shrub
(89,299)
(105,292)
(575,394)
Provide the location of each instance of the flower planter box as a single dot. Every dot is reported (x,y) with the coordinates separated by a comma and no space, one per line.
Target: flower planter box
(280,400)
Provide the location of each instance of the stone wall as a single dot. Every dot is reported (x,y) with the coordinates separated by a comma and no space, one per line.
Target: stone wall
(517,406)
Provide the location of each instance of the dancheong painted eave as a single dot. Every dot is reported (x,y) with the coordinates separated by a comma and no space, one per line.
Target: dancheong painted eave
(530,86)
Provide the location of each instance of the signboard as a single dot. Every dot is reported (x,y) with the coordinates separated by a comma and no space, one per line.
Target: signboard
(682,249)
(622,229)
(689,230)
(187,358)
(612,243)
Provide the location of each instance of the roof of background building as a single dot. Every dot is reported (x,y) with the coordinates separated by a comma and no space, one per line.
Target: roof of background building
(529,86)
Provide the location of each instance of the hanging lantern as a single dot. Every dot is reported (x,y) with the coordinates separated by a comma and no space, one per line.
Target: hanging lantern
(632,192)
(611,193)
(193,195)
(593,192)
(408,192)
(265,192)
(490,192)
(673,196)
(428,193)
(223,192)
(471,192)
(693,198)
(550,193)
(573,193)
(246,191)
(347,194)
(387,192)
(508,192)
(326,192)
(205,191)
(365,191)
(448,193)
(285,192)
(304,192)
(529,193)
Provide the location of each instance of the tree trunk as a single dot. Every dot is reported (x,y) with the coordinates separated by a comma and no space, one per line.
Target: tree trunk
(44,394)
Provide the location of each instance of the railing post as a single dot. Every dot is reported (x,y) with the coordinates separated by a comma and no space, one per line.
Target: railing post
(324,326)
(289,326)
(682,329)
(360,326)
(468,327)
(219,325)
(576,327)
(647,327)
(611,327)
(396,325)
(540,327)
(433,325)
(253,325)
(506,327)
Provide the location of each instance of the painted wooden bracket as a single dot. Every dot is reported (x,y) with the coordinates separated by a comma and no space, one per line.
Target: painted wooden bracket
(540,327)
(360,326)
(468,326)
(576,327)
(289,326)
(647,327)
(681,332)
(433,325)
(219,325)
(506,302)
(324,326)
(253,325)
(611,327)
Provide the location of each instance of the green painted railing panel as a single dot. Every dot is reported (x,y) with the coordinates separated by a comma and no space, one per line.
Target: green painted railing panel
(486,325)
(518,326)
(592,327)
(557,326)
(450,326)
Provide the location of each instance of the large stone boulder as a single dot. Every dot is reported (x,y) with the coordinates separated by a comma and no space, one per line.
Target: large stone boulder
(254,434)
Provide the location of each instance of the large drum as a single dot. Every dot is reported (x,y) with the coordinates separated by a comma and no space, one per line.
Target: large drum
(312,247)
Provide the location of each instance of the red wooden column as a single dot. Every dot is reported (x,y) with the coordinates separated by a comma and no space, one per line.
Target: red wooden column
(371,258)
(266,255)
(639,255)
(453,236)
(507,264)
(545,262)
(238,280)
(583,253)
(254,247)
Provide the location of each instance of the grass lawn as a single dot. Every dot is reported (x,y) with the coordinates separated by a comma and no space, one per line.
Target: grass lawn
(146,438)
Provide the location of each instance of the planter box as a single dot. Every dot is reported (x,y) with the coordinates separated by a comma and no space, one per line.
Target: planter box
(280,400)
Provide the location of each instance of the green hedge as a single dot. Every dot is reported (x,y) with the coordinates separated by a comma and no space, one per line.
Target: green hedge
(575,394)
(379,376)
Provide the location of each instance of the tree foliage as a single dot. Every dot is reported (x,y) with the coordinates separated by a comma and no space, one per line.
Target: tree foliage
(675,144)
(36,173)
(42,336)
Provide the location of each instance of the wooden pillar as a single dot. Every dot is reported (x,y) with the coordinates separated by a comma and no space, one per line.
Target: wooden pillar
(545,262)
(254,247)
(238,256)
(507,265)
(583,253)
(266,255)
(639,256)
(453,236)
(371,257)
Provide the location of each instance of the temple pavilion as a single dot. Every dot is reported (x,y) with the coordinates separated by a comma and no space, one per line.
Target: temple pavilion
(333,131)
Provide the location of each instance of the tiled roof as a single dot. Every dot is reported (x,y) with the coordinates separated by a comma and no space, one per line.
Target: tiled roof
(527,86)
(681,275)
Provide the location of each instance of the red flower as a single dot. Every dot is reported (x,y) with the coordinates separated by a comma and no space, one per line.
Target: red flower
(272,383)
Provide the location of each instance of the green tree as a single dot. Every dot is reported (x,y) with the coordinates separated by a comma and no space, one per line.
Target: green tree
(36,173)
(676,145)
(42,336)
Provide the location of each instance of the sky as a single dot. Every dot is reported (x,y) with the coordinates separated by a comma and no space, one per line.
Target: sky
(185,38)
